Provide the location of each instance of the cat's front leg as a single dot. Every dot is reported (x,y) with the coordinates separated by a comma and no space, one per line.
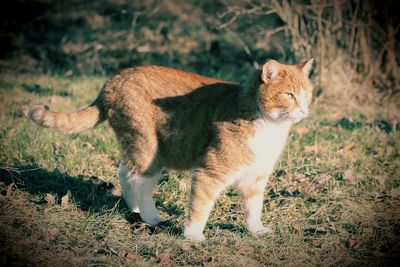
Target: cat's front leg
(205,191)
(252,192)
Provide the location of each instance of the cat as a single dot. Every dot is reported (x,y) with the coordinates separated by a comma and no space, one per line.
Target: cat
(225,134)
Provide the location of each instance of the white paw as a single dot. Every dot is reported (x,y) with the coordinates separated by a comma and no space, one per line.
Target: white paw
(261,231)
(135,210)
(193,235)
(154,221)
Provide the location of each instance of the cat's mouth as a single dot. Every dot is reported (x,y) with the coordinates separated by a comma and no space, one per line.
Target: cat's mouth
(294,116)
(298,114)
(298,117)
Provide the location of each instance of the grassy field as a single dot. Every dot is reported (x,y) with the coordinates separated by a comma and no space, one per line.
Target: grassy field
(333,200)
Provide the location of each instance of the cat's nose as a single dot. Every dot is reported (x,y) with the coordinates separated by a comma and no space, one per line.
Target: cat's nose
(304,110)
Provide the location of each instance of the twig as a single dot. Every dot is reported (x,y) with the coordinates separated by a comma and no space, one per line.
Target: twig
(315,180)
(244,46)
(226,24)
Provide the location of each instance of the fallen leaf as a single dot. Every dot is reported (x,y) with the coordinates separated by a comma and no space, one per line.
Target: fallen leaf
(317,183)
(378,254)
(57,148)
(314,149)
(380,151)
(317,243)
(164,258)
(330,246)
(31,240)
(69,73)
(346,149)
(291,189)
(326,247)
(50,199)
(310,192)
(52,233)
(186,246)
(88,146)
(301,130)
(389,151)
(273,204)
(301,178)
(321,178)
(246,250)
(129,256)
(116,192)
(354,242)
(65,199)
(10,189)
(349,177)
(395,193)
(295,227)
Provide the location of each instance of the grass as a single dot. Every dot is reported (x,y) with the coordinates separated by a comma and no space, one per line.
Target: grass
(333,200)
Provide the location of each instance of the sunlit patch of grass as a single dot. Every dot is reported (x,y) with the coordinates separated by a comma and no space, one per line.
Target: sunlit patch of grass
(330,200)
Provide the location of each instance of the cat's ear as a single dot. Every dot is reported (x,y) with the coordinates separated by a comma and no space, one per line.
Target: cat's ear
(270,70)
(306,66)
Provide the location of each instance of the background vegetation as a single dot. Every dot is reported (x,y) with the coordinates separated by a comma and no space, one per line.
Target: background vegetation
(334,198)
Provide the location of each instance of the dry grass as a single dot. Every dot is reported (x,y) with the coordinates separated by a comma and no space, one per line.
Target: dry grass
(333,199)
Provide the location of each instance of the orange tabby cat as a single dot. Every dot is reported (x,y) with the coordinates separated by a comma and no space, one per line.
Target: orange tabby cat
(224,133)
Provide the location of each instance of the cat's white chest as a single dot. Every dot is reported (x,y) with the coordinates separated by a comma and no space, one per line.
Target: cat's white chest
(267,144)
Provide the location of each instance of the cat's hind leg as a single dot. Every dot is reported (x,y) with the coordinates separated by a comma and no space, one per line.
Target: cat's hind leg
(127,189)
(137,190)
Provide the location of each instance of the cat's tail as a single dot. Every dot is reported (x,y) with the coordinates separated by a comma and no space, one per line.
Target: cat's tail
(67,122)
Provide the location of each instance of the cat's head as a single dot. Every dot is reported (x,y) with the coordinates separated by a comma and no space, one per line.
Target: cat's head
(285,90)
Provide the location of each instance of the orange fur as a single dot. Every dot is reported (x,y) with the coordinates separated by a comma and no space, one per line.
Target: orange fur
(168,118)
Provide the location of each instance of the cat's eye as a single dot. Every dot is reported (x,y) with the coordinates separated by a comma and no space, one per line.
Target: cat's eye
(290,95)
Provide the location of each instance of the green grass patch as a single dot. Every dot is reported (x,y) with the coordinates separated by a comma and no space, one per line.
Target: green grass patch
(333,199)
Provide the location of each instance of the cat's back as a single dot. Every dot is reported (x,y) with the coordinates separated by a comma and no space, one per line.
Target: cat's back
(153,82)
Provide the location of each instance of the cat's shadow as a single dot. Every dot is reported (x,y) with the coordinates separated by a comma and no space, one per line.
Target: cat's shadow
(212,102)
(87,193)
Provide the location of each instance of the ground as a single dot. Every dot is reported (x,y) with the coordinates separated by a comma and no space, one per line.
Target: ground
(332,201)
